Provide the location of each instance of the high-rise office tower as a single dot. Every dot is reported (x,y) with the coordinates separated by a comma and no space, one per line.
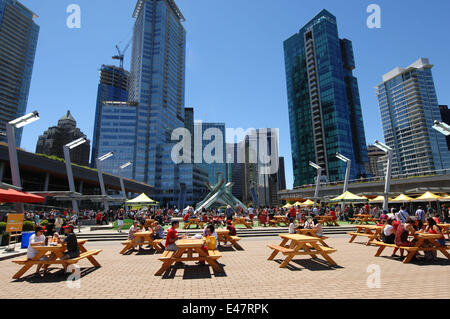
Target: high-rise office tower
(281,175)
(445,114)
(113,87)
(409,107)
(18,41)
(213,167)
(324,106)
(157,83)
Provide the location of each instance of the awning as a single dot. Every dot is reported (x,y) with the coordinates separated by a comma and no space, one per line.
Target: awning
(13,196)
(142,199)
(287,205)
(428,197)
(307,203)
(378,200)
(401,199)
(349,197)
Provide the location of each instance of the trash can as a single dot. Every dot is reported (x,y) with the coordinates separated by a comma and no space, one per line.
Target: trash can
(26,239)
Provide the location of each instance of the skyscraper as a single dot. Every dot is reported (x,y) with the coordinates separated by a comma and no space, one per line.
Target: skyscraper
(215,167)
(324,106)
(409,107)
(113,87)
(18,41)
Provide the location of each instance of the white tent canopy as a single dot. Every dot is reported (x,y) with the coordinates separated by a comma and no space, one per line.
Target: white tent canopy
(142,199)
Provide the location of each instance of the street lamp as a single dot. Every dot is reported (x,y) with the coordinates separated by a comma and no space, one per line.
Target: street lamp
(442,128)
(121,168)
(347,173)
(12,149)
(387,185)
(100,176)
(319,175)
(67,148)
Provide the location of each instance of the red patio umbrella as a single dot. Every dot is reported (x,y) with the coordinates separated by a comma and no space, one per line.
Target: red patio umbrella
(13,196)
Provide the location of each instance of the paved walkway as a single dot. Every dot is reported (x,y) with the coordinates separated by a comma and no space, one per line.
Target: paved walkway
(248,275)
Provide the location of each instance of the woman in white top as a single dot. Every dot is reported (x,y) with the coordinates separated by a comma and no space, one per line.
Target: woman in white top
(318,227)
(292,226)
(388,232)
(37,239)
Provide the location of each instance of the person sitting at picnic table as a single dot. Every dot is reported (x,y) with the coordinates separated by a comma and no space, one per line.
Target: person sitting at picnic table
(317,226)
(401,236)
(231,228)
(186,217)
(292,227)
(70,243)
(37,239)
(433,228)
(134,229)
(158,231)
(55,239)
(384,217)
(210,241)
(388,234)
(172,237)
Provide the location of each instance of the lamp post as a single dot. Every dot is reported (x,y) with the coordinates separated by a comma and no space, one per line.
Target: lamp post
(12,148)
(121,168)
(387,185)
(67,148)
(347,173)
(100,176)
(319,175)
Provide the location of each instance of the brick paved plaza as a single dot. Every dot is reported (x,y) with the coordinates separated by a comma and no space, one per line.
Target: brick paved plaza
(248,274)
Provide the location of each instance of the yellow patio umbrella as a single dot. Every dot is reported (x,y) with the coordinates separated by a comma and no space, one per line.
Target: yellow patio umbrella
(446,198)
(297,204)
(349,197)
(378,200)
(287,205)
(143,199)
(307,203)
(402,199)
(428,197)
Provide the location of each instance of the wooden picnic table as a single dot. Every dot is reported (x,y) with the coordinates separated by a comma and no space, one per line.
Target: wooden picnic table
(278,220)
(242,221)
(54,255)
(423,241)
(373,232)
(300,245)
(328,220)
(445,228)
(224,237)
(362,218)
(312,233)
(143,238)
(190,247)
(193,221)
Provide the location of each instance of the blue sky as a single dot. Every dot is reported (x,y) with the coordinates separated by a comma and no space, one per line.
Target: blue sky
(235,62)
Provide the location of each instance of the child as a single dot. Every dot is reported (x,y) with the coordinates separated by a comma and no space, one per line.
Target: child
(55,240)
(210,243)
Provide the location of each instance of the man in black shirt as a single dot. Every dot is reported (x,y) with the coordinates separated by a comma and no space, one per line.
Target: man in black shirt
(71,244)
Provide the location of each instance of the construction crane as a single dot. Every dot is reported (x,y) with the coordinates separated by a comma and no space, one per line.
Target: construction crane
(121,54)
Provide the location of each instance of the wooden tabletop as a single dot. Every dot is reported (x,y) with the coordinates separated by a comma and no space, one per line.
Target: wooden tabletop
(299,238)
(369,226)
(143,234)
(190,243)
(428,236)
(222,231)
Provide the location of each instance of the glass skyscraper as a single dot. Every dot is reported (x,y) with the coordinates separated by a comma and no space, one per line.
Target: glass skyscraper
(113,87)
(157,83)
(213,168)
(18,41)
(409,107)
(324,106)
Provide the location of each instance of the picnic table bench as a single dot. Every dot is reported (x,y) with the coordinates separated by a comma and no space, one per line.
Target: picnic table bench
(224,237)
(445,228)
(56,253)
(190,247)
(140,239)
(423,241)
(373,232)
(193,221)
(242,221)
(300,245)
(362,218)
